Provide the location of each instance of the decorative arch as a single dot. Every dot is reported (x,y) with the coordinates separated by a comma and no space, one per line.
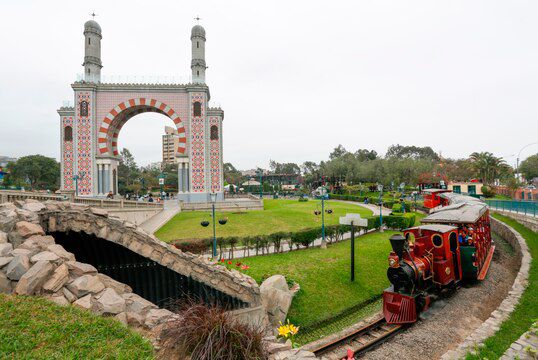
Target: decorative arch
(120,114)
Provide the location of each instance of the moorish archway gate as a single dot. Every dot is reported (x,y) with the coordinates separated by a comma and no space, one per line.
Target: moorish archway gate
(90,129)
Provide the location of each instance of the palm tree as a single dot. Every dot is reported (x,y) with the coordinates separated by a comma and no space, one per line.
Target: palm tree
(487,166)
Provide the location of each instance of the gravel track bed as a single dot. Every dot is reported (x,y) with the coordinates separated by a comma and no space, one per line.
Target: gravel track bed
(451,320)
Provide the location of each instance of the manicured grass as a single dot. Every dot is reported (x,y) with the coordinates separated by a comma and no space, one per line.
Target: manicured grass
(526,312)
(278,215)
(35,328)
(324,277)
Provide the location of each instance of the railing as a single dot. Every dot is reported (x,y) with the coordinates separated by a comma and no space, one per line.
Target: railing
(521,207)
(11,196)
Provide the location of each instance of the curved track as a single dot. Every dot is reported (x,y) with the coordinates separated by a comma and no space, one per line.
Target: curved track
(359,341)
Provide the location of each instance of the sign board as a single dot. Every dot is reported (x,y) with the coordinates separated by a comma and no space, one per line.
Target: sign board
(355,218)
(161,181)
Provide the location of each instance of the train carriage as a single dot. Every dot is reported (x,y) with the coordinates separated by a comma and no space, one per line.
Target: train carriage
(452,244)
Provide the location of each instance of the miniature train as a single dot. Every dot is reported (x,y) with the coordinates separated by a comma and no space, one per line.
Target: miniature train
(452,244)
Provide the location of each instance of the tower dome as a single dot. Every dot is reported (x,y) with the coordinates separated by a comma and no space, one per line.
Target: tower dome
(198,31)
(92,25)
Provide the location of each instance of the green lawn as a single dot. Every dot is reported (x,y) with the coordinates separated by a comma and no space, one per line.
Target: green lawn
(35,328)
(278,215)
(324,277)
(526,312)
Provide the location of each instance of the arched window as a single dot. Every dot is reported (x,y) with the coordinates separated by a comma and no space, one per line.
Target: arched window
(197,108)
(197,44)
(89,40)
(68,133)
(197,72)
(214,132)
(84,106)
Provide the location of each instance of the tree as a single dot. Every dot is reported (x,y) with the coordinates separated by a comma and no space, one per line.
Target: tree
(284,168)
(338,151)
(487,166)
(231,174)
(415,152)
(128,173)
(529,167)
(365,154)
(37,171)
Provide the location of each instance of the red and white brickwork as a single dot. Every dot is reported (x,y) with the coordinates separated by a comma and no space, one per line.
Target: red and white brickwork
(215,163)
(68,155)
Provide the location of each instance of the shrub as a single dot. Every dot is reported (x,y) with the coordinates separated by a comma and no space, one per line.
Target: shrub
(488,191)
(276,239)
(303,199)
(305,237)
(211,333)
(195,246)
(397,208)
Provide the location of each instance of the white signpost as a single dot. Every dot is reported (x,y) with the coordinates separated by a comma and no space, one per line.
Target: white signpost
(353,220)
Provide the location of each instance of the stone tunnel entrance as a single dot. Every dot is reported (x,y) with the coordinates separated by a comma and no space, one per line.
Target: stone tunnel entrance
(154,282)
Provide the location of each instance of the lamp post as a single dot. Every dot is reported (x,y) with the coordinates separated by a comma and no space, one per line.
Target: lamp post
(380,189)
(78,177)
(162,176)
(213,196)
(517,159)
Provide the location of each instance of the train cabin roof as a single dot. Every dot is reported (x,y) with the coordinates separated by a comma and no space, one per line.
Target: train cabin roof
(460,213)
(454,198)
(441,228)
(434,191)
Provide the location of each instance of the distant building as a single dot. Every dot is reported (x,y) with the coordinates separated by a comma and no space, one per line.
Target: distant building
(467,188)
(4,160)
(529,193)
(170,145)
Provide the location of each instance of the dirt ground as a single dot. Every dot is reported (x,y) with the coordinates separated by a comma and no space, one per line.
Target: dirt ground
(451,320)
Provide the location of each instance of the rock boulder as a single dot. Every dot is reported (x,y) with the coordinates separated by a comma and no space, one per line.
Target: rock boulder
(276,298)
(34,278)
(17,267)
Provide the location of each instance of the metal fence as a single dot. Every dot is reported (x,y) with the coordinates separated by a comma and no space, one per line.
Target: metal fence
(521,207)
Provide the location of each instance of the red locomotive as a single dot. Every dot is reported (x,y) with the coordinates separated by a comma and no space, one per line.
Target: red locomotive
(454,243)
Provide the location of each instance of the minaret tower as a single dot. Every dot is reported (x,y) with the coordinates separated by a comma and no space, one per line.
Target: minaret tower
(92,51)
(198,54)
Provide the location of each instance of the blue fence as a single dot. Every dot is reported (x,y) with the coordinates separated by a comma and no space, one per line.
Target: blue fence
(522,207)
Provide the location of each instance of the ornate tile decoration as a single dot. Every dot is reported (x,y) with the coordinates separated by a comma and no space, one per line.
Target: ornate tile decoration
(215,170)
(68,155)
(198,145)
(84,143)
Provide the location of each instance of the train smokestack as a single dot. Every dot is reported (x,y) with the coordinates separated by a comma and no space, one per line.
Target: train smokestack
(398,243)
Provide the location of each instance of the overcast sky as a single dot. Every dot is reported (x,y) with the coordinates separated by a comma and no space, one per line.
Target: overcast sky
(295,78)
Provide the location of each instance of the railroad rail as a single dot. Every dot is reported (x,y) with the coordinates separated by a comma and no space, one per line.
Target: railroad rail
(359,341)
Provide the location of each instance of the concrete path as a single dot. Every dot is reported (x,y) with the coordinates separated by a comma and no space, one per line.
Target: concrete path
(171,208)
(371,207)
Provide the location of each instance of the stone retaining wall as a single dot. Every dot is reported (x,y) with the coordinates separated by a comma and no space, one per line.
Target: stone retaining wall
(503,311)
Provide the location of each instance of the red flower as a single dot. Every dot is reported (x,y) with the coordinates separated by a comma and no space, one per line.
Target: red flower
(245,267)
(229,263)
(221,260)
(238,264)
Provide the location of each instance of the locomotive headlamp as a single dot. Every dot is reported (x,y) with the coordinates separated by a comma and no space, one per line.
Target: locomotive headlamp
(392,262)
(447,271)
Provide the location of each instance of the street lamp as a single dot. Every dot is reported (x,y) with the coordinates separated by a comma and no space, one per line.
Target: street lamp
(204,223)
(517,159)
(161,182)
(380,189)
(78,177)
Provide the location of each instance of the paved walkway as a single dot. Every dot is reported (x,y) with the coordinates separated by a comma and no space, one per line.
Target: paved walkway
(171,208)
(373,208)
(524,348)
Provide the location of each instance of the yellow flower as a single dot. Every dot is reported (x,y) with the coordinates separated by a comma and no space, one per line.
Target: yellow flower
(293,329)
(283,331)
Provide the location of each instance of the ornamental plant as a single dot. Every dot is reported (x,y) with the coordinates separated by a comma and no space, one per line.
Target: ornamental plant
(287,332)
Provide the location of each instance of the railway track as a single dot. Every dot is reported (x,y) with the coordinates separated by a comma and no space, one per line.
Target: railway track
(359,341)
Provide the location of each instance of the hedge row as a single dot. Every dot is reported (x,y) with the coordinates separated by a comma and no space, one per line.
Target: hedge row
(371,200)
(260,244)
